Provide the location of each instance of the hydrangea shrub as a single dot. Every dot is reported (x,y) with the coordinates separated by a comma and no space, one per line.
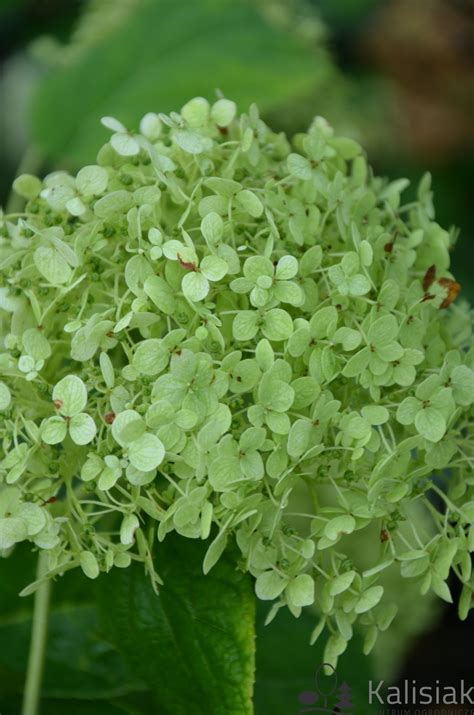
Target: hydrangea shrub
(216,332)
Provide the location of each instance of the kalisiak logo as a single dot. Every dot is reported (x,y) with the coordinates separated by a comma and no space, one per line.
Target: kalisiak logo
(328,696)
(410,693)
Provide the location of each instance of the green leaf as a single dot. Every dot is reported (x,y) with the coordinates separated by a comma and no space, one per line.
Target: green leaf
(161,46)
(206,654)
(430,424)
(79,664)
(146,453)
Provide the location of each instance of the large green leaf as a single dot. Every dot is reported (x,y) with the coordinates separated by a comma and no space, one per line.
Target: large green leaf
(194,643)
(78,664)
(163,53)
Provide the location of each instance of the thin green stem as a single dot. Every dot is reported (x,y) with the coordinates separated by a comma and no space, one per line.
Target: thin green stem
(34,674)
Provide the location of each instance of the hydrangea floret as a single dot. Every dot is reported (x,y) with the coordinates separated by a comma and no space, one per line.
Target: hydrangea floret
(214,331)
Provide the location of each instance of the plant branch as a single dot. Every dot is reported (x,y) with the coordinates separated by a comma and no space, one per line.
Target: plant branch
(34,674)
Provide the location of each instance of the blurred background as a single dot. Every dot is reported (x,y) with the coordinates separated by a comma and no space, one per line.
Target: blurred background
(397,75)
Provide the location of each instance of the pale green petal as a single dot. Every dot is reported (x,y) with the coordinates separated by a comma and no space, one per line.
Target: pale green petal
(269,585)
(430,424)
(82,429)
(300,591)
(146,453)
(5,396)
(127,427)
(195,286)
(71,395)
(53,430)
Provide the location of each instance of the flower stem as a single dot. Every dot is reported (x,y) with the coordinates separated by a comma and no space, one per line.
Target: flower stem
(34,674)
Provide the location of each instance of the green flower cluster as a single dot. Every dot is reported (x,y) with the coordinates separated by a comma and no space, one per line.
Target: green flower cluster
(214,332)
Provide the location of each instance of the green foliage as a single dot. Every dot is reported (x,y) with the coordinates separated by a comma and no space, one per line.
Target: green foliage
(199,632)
(209,322)
(81,669)
(153,54)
